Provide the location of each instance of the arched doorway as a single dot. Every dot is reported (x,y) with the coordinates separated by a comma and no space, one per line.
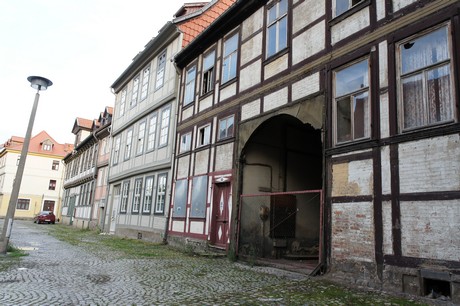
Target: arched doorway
(281,178)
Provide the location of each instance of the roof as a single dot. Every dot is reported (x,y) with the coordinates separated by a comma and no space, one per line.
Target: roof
(36,145)
(82,124)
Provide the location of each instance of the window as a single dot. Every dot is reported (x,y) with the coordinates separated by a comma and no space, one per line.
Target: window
(52,185)
(161,194)
(230,57)
(148,194)
(351,104)
(208,72)
(46,146)
(145,83)
(55,165)
(425,87)
(277,28)
(124,197)
(137,195)
(23,204)
(226,127)
(180,198)
(161,64)
(129,142)
(199,193)
(135,92)
(185,142)
(116,151)
(341,6)
(164,128)
(152,132)
(122,102)
(189,95)
(141,138)
(204,135)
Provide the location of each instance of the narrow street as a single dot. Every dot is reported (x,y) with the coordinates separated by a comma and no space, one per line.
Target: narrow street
(58,273)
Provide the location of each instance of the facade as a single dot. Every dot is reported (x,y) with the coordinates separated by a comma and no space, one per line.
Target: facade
(41,185)
(86,166)
(143,128)
(325,131)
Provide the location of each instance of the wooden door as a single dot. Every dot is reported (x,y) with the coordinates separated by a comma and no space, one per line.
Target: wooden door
(220,224)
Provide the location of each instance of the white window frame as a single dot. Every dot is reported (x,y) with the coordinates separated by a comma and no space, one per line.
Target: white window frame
(148,194)
(129,144)
(141,137)
(189,89)
(116,150)
(185,142)
(121,112)
(161,67)
(277,21)
(164,126)
(208,72)
(230,58)
(137,195)
(224,124)
(124,197)
(145,83)
(160,202)
(204,136)
(151,136)
(348,3)
(135,92)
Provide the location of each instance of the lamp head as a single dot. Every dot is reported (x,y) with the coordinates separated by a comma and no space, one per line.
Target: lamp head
(39,83)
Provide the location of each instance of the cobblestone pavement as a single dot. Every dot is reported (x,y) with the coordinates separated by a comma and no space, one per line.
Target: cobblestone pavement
(58,273)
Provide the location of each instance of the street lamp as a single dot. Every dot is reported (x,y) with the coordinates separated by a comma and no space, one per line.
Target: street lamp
(38,83)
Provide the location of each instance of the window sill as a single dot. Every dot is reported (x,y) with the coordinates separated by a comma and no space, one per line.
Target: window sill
(350,12)
(276,56)
(228,83)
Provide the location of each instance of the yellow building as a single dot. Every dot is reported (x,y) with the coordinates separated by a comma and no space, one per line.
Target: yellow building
(41,186)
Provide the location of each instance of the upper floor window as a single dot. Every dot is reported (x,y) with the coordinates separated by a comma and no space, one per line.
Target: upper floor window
(204,135)
(189,95)
(208,72)
(152,132)
(116,150)
(145,83)
(185,142)
(124,197)
(164,127)
(161,194)
(341,6)
(141,138)
(137,195)
(52,185)
(226,127)
(148,191)
(55,165)
(230,58)
(351,102)
(134,94)
(277,28)
(129,142)
(161,65)
(122,102)
(425,84)
(47,146)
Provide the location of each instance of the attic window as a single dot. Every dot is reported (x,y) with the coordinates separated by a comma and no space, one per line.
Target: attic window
(46,146)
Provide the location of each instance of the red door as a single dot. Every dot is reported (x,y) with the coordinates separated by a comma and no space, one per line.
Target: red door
(220,224)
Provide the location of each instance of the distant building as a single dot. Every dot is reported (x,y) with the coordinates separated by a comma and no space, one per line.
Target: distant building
(86,172)
(41,185)
(143,128)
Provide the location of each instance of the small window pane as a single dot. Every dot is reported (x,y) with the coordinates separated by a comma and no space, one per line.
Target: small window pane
(439,94)
(343,120)
(360,116)
(412,94)
(352,78)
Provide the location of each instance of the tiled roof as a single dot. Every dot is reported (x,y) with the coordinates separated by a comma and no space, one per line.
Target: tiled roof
(36,145)
(84,123)
(194,26)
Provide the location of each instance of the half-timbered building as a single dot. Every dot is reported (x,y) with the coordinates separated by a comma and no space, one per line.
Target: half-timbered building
(325,131)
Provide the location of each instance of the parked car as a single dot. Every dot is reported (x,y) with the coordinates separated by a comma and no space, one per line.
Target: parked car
(45,217)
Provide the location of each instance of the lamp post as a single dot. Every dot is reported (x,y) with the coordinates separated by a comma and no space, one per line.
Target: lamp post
(38,83)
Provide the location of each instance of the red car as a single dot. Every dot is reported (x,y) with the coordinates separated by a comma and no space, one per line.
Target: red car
(45,217)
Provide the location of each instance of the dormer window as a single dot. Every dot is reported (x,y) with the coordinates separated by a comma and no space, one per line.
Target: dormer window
(47,145)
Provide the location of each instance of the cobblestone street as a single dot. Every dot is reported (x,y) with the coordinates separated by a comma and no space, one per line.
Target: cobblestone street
(58,273)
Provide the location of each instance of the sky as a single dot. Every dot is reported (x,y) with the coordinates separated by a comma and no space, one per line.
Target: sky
(81,46)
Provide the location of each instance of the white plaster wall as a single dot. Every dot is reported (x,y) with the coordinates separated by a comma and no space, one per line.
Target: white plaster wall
(224,157)
(253,23)
(352,179)
(383,64)
(350,25)
(183,167)
(250,109)
(308,43)
(187,113)
(275,67)
(430,164)
(178,226)
(227,91)
(386,170)
(387,229)
(205,103)
(251,49)
(399,4)
(196,227)
(380,8)
(201,162)
(306,86)
(250,75)
(384,116)
(275,99)
(307,12)
(431,229)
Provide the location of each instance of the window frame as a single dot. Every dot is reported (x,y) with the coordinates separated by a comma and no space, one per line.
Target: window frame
(160,199)
(55,165)
(204,135)
(19,204)
(145,83)
(129,144)
(152,131)
(148,186)
(52,185)
(137,195)
(276,23)
(183,148)
(141,137)
(135,91)
(226,119)
(123,95)
(351,5)
(352,94)
(161,70)
(124,197)
(164,127)
(190,84)
(423,72)
(226,74)
(208,72)
(116,150)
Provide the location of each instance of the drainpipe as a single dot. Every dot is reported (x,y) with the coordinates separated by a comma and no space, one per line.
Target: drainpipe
(107,210)
(93,191)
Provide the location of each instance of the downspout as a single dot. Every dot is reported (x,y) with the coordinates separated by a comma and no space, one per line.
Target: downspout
(107,210)
(93,191)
